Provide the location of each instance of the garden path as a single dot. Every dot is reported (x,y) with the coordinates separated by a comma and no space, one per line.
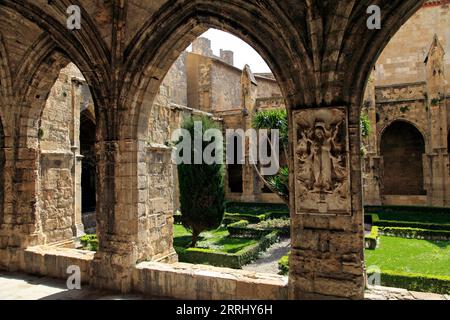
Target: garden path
(268,260)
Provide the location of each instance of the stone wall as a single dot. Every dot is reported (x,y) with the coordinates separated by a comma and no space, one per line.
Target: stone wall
(175,82)
(57,159)
(225,88)
(402,60)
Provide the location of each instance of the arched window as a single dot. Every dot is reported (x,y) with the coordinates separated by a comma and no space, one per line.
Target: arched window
(402,147)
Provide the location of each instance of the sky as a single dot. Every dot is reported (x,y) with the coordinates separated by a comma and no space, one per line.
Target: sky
(243,53)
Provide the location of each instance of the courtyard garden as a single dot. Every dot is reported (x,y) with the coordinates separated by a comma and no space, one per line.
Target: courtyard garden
(408,246)
(246,231)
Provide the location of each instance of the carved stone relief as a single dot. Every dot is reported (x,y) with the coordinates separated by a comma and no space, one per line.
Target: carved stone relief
(321,161)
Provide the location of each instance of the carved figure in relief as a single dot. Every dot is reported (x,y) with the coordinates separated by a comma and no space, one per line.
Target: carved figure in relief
(321,164)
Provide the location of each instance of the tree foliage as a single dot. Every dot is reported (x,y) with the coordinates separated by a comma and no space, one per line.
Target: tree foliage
(202,194)
(275,119)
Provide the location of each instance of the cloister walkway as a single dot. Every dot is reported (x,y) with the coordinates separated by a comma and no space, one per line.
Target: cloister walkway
(17,286)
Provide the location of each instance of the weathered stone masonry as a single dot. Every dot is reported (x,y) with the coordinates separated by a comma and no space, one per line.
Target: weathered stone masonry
(321,54)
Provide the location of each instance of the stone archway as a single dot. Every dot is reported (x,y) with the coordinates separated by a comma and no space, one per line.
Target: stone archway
(321,53)
(402,147)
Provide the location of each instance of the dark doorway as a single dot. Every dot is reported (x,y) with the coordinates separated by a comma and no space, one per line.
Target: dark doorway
(235,170)
(88,171)
(402,147)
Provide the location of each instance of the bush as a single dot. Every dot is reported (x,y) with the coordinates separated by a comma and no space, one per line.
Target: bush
(256,207)
(415,282)
(202,193)
(89,242)
(235,217)
(243,229)
(375,220)
(371,240)
(416,233)
(283,265)
(229,260)
(407,209)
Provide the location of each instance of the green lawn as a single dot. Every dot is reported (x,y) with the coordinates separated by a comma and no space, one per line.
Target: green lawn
(411,255)
(218,240)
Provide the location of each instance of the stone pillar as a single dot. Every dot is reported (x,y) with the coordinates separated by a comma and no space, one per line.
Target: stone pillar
(135,211)
(77,226)
(371,174)
(437,115)
(327,257)
(248,99)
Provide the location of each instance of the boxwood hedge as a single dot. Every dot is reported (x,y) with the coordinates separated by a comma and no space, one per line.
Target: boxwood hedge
(415,282)
(229,260)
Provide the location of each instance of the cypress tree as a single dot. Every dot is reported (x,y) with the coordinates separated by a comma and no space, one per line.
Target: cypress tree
(201,186)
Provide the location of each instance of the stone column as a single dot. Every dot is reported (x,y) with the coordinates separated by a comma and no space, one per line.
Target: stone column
(371,172)
(134,217)
(77,227)
(327,257)
(248,98)
(437,116)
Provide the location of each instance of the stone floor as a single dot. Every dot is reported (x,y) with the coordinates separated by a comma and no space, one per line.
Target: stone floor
(268,260)
(15,286)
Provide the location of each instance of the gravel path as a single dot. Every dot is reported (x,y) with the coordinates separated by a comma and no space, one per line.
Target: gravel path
(268,260)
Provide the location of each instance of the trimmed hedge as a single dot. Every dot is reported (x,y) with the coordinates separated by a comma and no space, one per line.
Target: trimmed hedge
(235,217)
(255,207)
(375,220)
(229,260)
(416,233)
(242,229)
(408,209)
(415,282)
(283,265)
(371,240)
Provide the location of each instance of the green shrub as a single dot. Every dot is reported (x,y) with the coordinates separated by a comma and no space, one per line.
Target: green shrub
(235,217)
(416,233)
(371,240)
(406,209)
(89,242)
(415,282)
(277,214)
(255,207)
(243,229)
(375,220)
(239,224)
(280,182)
(366,128)
(202,193)
(283,265)
(229,260)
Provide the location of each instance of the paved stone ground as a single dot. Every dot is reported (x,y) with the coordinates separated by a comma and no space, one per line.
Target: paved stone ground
(15,286)
(268,260)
